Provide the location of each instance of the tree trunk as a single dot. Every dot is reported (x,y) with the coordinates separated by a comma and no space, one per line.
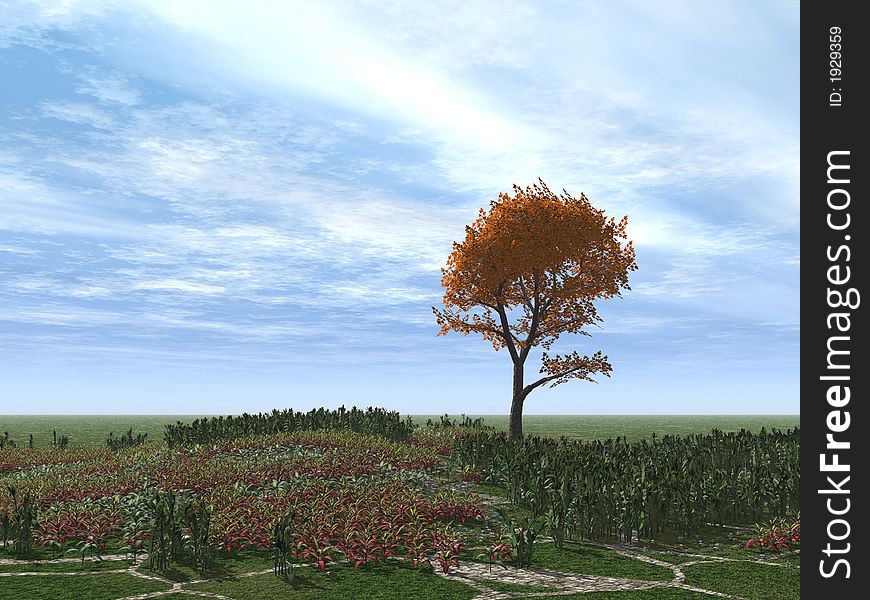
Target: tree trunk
(515,424)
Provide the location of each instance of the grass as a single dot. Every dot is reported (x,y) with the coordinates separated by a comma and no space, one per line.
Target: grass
(792,560)
(491,490)
(37,553)
(66,567)
(711,540)
(93,429)
(384,582)
(225,565)
(653,594)
(673,559)
(748,580)
(590,560)
(108,586)
(84,430)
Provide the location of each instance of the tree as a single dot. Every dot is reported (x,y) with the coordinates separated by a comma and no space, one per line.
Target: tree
(528,271)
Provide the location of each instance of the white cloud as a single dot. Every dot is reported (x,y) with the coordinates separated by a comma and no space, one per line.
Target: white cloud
(107,87)
(32,205)
(177,285)
(19,250)
(77,112)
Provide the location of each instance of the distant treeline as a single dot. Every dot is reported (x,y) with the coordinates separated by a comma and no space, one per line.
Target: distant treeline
(612,488)
(209,430)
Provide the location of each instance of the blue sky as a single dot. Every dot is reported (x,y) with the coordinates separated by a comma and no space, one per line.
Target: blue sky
(218,207)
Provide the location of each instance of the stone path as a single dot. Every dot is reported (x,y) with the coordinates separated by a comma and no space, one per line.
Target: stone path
(476,575)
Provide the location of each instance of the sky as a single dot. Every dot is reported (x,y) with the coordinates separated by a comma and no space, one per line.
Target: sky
(222,207)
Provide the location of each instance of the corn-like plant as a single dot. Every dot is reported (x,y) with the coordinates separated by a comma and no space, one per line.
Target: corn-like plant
(21,521)
(126,440)
(136,509)
(5,527)
(164,530)
(59,442)
(283,547)
(179,521)
(522,536)
(379,421)
(560,507)
(466,422)
(196,516)
(134,547)
(85,547)
(613,489)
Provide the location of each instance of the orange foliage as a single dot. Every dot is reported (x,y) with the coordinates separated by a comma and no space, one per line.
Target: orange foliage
(529,270)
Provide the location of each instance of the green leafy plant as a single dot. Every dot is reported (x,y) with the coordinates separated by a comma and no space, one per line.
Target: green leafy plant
(126,440)
(615,490)
(163,528)
(88,546)
(5,442)
(21,522)
(196,516)
(134,547)
(522,536)
(560,506)
(283,547)
(59,442)
(220,429)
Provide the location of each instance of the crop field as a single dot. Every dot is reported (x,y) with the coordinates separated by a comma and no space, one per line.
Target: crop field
(632,427)
(341,504)
(93,429)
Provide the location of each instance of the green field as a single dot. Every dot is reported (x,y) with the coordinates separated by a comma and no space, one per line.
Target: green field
(93,429)
(83,430)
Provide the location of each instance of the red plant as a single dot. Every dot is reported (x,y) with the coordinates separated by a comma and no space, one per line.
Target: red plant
(777,535)
(448,549)
(471,475)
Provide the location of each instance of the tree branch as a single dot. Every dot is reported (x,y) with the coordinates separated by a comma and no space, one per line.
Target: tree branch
(547,379)
(505,325)
(500,333)
(525,293)
(477,300)
(533,331)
